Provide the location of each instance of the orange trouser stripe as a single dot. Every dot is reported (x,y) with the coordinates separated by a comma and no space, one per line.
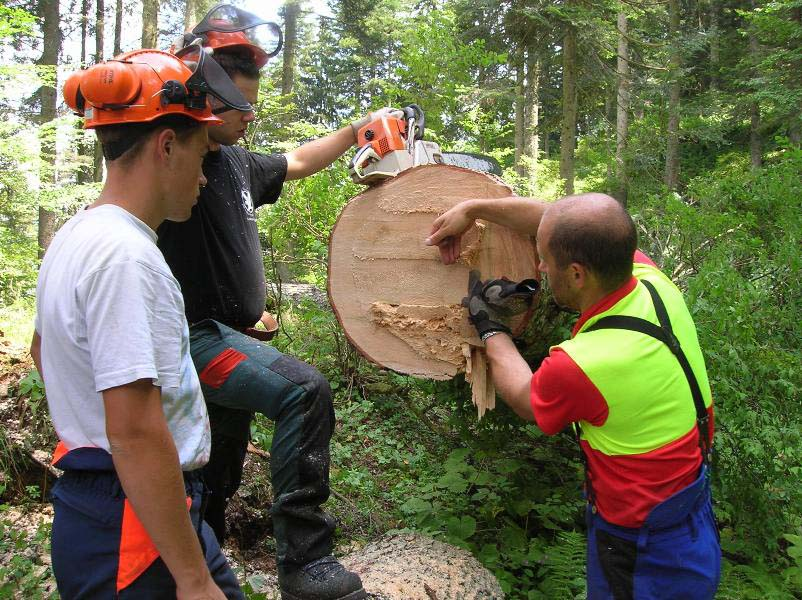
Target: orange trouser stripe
(137,551)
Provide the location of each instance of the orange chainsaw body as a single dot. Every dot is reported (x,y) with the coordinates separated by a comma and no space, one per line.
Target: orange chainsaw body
(384,135)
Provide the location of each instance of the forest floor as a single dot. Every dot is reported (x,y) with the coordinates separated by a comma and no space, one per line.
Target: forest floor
(26,515)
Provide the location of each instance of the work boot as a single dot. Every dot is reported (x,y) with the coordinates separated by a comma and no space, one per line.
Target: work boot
(321,579)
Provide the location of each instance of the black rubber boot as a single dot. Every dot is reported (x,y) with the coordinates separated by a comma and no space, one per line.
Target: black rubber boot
(321,579)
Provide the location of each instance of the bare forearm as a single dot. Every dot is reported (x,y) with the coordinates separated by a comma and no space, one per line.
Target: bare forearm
(36,353)
(511,375)
(318,154)
(146,462)
(520,214)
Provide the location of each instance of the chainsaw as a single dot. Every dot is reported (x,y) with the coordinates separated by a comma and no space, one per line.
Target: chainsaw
(390,145)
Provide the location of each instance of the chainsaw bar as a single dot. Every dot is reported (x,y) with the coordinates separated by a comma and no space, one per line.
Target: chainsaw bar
(476,162)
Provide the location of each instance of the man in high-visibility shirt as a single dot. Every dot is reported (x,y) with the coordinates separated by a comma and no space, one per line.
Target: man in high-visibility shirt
(631,378)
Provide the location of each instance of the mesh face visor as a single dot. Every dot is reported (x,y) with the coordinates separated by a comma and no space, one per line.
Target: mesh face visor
(209,78)
(225,18)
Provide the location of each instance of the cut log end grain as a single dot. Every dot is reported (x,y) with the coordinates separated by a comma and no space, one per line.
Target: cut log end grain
(398,304)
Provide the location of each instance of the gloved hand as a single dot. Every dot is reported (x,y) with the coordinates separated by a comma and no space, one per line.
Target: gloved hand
(491,305)
(372,116)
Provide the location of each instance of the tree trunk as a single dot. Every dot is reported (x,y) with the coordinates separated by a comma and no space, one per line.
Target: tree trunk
(546,79)
(672,142)
(715,46)
(533,114)
(520,123)
(568,131)
(84,29)
(150,23)
(51,49)
(100,30)
(622,110)
(190,15)
(100,40)
(292,8)
(795,119)
(755,143)
(118,27)
(84,173)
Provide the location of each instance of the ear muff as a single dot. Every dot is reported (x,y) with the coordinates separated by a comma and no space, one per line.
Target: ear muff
(110,84)
(72,93)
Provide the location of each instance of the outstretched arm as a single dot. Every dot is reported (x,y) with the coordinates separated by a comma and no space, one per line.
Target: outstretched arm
(510,373)
(318,154)
(520,214)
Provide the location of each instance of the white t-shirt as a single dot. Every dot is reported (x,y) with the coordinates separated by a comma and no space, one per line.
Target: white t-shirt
(110,312)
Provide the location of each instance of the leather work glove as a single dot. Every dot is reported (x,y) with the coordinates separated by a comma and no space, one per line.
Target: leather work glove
(492,304)
(387,111)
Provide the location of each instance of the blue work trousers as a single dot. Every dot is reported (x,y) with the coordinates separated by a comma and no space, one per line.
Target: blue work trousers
(101,552)
(674,555)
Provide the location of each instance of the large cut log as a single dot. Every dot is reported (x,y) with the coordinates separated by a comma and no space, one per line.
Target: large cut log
(396,301)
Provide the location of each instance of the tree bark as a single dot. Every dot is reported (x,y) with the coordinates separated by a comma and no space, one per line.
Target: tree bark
(568,131)
(118,27)
(292,9)
(622,110)
(51,49)
(190,15)
(671,175)
(84,173)
(755,143)
(100,39)
(546,79)
(715,47)
(150,23)
(795,119)
(533,113)
(520,123)
(84,30)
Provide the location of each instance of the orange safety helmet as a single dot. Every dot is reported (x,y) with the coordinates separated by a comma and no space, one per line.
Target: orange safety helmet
(229,27)
(143,85)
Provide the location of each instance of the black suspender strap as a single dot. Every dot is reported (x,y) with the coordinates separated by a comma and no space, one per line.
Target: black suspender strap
(665,334)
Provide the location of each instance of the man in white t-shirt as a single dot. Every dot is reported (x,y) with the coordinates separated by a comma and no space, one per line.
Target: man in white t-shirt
(112,345)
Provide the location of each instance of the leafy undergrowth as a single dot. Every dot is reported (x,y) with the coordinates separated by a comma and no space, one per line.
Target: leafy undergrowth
(410,454)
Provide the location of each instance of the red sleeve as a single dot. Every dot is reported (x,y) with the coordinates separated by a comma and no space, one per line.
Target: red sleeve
(641,258)
(561,393)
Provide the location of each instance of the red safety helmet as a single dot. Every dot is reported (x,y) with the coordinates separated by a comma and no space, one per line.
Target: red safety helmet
(143,85)
(229,27)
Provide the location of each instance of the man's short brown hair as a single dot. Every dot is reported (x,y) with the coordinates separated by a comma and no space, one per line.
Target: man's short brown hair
(124,142)
(604,246)
(237,62)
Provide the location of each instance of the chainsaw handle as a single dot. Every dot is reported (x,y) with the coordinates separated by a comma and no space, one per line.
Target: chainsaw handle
(413,111)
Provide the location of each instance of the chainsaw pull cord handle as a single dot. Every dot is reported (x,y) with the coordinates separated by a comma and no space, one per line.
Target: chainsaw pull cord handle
(414,117)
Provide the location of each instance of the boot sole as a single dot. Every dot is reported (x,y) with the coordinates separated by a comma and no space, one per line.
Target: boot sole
(360,594)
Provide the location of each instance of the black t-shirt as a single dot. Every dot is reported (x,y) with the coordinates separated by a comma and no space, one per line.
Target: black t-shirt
(216,255)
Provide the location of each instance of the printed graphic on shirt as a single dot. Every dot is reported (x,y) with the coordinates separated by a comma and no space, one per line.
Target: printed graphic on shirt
(247,202)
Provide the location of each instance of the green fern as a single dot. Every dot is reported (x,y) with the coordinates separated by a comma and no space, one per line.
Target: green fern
(563,570)
(751,582)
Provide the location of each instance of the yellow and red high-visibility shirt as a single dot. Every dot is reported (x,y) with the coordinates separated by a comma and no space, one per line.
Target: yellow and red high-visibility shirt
(631,398)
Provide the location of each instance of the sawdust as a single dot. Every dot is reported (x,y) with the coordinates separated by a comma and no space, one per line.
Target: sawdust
(431,331)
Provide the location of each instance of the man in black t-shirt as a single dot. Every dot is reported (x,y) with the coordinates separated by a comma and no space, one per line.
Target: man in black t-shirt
(217,259)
